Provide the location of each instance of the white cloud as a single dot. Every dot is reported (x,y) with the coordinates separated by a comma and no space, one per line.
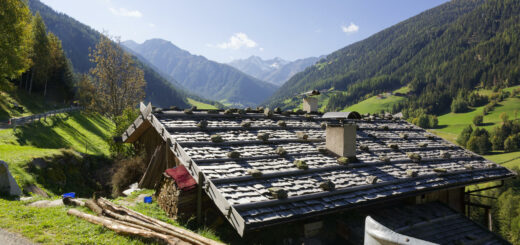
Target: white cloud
(261,49)
(126,12)
(151,25)
(237,41)
(350,28)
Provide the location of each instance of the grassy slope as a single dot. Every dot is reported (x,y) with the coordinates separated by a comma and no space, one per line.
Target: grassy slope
(200,105)
(31,104)
(375,104)
(45,138)
(50,138)
(451,124)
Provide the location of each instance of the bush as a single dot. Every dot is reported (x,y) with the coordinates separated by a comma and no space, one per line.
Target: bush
(426,121)
(464,136)
(479,142)
(478,120)
(512,143)
(126,172)
(122,122)
(459,105)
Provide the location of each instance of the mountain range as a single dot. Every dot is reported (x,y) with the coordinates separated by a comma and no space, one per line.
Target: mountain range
(201,76)
(439,54)
(276,71)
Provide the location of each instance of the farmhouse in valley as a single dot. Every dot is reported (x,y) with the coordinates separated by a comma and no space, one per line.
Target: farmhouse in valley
(333,177)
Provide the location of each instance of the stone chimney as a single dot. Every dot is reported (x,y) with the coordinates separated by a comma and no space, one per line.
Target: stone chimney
(310,104)
(341,139)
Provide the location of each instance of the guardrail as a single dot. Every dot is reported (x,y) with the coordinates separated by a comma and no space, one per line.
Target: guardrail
(13,122)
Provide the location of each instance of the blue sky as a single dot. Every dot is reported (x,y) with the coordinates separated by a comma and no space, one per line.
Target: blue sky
(231,29)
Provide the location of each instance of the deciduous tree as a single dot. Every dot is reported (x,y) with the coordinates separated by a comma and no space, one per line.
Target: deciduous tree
(118,81)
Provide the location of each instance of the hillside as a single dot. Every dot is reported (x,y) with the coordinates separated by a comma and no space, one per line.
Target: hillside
(77,38)
(276,71)
(456,46)
(201,76)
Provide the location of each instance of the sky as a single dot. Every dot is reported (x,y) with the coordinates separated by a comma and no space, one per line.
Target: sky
(225,30)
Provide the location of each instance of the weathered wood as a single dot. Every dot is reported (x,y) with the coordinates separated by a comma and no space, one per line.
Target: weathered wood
(94,207)
(124,229)
(182,233)
(199,198)
(73,202)
(147,181)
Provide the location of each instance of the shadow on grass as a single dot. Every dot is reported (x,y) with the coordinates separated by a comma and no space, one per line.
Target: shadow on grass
(441,126)
(43,134)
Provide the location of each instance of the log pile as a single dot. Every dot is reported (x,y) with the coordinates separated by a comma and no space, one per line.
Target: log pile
(128,222)
(177,203)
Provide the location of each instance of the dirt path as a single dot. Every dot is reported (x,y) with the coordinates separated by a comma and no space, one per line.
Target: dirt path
(8,238)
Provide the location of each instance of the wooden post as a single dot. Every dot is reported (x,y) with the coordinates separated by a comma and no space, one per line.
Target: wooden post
(199,198)
(490,220)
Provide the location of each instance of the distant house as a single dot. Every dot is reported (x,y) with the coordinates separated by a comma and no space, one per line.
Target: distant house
(305,175)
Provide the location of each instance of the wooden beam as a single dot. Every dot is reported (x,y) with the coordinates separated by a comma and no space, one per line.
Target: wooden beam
(199,198)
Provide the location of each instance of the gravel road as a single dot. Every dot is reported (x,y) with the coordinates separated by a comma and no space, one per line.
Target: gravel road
(8,238)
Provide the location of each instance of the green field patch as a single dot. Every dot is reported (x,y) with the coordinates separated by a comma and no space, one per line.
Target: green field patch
(201,105)
(376,104)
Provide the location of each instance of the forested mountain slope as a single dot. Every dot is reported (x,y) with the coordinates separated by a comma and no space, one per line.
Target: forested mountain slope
(202,76)
(440,53)
(77,38)
(276,71)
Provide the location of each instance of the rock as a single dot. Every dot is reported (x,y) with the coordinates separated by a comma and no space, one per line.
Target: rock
(263,136)
(327,185)
(35,190)
(202,124)
(254,172)
(8,184)
(302,135)
(216,138)
(233,154)
(281,151)
(133,187)
(47,203)
(278,192)
(301,164)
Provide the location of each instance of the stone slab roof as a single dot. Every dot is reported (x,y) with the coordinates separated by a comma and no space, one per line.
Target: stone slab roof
(248,202)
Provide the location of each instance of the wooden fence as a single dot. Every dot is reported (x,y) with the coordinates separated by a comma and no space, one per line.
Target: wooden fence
(13,122)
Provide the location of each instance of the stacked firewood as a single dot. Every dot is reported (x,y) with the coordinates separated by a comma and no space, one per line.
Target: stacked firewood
(128,222)
(178,204)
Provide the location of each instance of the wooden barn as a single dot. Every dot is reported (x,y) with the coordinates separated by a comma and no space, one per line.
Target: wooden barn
(333,178)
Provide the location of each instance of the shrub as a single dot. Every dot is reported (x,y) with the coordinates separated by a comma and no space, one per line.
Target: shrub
(127,171)
(464,135)
(512,143)
(479,141)
(478,120)
(459,105)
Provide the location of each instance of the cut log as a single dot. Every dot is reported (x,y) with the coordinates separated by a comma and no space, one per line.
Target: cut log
(94,207)
(181,232)
(73,202)
(124,229)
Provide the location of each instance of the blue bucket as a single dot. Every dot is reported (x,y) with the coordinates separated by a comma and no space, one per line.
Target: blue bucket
(70,194)
(148,199)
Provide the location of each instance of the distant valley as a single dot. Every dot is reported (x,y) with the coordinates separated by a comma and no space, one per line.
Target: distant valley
(276,71)
(203,77)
